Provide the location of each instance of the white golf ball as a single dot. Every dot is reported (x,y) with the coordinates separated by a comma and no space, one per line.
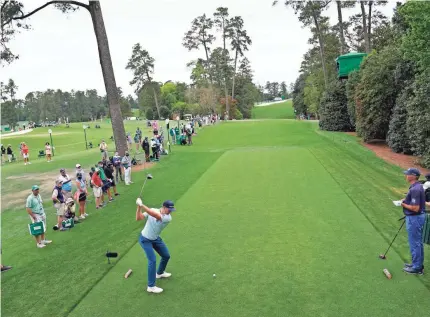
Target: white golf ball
(214,275)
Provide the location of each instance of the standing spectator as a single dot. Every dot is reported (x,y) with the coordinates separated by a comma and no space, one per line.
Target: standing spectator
(126,163)
(173,135)
(48,151)
(9,153)
(104,150)
(145,146)
(67,183)
(81,195)
(25,153)
(3,154)
(34,207)
(137,142)
(116,160)
(139,133)
(189,133)
(97,184)
(58,200)
(105,181)
(80,170)
(414,210)
(109,170)
(129,141)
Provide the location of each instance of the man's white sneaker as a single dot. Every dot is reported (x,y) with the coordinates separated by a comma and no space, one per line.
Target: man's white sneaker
(40,245)
(46,241)
(164,275)
(82,217)
(154,289)
(85,214)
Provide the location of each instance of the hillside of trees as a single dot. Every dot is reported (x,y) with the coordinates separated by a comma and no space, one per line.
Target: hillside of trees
(388,97)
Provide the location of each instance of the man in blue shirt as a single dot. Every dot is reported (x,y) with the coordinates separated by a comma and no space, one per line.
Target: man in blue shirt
(414,210)
(150,240)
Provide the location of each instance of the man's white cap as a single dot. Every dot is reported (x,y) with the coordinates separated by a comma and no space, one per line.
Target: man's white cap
(78,165)
(426,185)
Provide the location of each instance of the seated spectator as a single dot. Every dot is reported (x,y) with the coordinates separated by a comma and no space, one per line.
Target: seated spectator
(58,200)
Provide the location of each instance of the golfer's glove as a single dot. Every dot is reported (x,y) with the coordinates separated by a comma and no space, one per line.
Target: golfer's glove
(139,202)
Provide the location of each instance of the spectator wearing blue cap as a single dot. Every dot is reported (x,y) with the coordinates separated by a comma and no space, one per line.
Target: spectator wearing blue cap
(414,210)
(150,240)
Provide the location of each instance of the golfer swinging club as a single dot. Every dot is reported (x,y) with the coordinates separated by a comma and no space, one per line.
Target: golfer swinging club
(157,220)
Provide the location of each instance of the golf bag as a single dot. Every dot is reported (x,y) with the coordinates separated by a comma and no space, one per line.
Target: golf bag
(426,230)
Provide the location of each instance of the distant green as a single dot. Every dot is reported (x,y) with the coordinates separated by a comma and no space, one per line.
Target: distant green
(283,110)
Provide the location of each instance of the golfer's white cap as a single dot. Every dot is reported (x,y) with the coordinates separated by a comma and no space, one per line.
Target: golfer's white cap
(426,185)
(78,165)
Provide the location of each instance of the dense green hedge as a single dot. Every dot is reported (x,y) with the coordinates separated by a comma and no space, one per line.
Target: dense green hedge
(351,84)
(418,120)
(398,138)
(333,109)
(377,93)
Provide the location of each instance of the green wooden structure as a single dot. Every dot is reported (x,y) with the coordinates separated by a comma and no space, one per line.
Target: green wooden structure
(348,63)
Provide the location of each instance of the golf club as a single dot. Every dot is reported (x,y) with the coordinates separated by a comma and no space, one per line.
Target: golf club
(148,176)
(383,256)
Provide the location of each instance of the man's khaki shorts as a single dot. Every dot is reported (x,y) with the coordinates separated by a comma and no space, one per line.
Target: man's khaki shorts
(97,191)
(60,209)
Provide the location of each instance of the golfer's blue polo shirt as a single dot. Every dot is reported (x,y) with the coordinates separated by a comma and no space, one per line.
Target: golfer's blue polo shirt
(415,197)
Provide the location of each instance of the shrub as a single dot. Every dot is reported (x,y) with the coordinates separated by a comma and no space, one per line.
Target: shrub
(164,112)
(376,93)
(418,121)
(238,115)
(397,138)
(333,109)
(351,85)
(149,114)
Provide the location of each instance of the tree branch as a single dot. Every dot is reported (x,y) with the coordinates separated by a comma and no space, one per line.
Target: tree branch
(44,6)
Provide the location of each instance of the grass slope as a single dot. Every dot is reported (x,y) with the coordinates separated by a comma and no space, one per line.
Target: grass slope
(283,110)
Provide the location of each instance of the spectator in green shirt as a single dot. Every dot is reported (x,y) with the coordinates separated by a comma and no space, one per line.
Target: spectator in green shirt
(36,212)
(106,183)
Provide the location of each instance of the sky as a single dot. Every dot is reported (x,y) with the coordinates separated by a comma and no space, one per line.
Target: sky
(60,51)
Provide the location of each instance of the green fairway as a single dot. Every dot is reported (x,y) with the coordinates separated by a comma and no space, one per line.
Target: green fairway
(283,110)
(290,219)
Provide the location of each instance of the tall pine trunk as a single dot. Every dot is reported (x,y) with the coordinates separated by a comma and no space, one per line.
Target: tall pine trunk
(227,105)
(322,52)
(365,31)
(341,31)
(108,77)
(156,103)
(369,26)
(234,74)
(155,95)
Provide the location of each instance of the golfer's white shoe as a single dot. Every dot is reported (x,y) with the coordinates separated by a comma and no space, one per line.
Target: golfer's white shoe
(164,275)
(40,245)
(46,241)
(154,289)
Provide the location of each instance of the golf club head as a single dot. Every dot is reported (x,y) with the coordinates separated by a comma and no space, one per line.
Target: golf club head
(382,257)
(149,176)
